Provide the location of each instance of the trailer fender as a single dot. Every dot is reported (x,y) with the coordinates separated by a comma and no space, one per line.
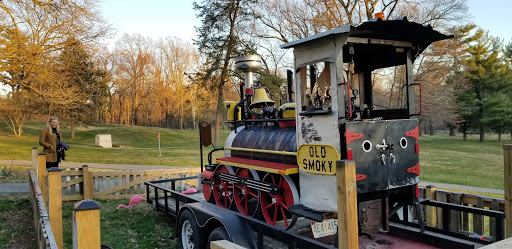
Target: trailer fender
(209,217)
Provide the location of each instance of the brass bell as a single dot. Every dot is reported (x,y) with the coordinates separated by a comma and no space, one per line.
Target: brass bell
(261,99)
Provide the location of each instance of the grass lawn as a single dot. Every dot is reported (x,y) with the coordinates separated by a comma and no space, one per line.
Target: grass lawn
(443,158)
(133,145)
(448,159)
(138,227)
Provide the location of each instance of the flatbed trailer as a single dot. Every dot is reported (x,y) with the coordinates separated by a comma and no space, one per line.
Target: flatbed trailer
(200,222)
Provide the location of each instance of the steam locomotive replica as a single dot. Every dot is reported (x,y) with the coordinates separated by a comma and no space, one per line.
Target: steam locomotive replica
(279,163)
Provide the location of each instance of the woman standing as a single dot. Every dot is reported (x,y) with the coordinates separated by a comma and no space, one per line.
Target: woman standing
(50,140)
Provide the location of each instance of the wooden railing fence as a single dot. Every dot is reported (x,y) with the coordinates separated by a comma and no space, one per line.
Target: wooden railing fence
(470,224)
(43,229)
(82,184)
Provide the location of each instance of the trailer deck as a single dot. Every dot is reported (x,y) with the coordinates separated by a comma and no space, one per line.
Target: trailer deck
(401,234)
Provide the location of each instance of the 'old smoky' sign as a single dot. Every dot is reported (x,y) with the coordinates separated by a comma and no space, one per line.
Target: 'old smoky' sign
(318,158)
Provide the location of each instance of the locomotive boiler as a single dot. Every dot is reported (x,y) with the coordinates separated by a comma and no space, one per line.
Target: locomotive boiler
(279,162)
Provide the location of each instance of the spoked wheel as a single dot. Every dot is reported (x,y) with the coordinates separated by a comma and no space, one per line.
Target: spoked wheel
(222,190)
(246,198)
(275,206)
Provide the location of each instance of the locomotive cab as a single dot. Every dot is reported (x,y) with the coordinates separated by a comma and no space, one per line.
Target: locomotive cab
(356,99)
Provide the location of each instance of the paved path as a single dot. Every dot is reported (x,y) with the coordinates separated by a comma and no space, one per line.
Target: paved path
(13,188)
(7,187)
(95,165)
(461,187)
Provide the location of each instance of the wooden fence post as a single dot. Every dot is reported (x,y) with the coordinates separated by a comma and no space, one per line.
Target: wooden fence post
(41,175)
(34,159)
(86,225)
(88,183)
(507,154)
(430,212)
(347,204)
(55,203)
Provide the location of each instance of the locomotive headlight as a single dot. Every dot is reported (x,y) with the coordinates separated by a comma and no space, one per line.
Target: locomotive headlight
(403,142)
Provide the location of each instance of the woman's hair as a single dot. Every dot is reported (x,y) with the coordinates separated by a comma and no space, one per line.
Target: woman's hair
(50,119)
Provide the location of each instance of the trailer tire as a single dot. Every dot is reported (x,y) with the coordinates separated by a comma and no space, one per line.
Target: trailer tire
(188,231)
(218,233)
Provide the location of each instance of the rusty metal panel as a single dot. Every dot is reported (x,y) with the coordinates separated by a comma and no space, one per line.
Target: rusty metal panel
(370,216)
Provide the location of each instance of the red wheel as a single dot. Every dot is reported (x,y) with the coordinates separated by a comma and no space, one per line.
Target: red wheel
(207,192)
(222,190)
(275,207)
(246,198)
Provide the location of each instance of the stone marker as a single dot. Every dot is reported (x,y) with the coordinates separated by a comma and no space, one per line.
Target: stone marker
(104,140)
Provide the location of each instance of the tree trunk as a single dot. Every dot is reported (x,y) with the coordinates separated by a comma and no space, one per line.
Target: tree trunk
(72,128)
(181,116)
(218,114)
(464,131)
(499,136)
(482,134)
(451,127)
(167,118)
(431,128)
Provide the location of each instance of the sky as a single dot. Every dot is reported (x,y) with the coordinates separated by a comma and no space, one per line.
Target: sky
(161,18)
(153,18)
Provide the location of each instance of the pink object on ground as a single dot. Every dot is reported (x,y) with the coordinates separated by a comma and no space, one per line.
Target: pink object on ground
(134,200)
(190,191)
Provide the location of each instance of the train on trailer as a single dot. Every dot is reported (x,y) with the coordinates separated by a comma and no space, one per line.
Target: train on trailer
(279,162)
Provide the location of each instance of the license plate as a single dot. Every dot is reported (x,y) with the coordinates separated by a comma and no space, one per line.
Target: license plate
(318,158)
(324,228)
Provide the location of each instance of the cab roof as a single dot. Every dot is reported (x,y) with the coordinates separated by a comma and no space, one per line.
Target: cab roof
(398,30)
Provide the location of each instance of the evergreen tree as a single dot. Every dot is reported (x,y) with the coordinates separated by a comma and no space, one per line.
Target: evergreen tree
(219,40)
(481,101)
(78,71)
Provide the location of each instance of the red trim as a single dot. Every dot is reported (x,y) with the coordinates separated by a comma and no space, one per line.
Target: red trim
(349,154)
(264,164)
(417,191)
(414,133)
(360,177)
(351,136)
(417,147)
(284,124)
(415,169)
(207,174)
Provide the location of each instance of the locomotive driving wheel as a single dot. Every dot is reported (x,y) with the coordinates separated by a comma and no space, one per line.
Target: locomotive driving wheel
(275,206)
(246,198)
(223,190)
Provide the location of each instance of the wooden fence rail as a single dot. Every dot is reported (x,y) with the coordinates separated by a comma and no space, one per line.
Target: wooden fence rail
(463,222)
(82,184)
